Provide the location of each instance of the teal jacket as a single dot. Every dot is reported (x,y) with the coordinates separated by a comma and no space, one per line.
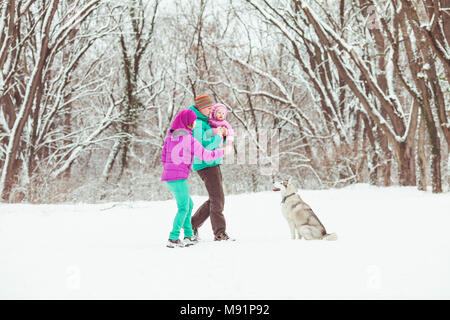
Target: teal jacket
(203,133)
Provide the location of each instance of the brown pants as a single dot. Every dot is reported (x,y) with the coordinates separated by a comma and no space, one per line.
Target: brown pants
(213,207)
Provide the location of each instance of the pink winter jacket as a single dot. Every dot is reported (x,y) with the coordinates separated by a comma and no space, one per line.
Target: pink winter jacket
(180,147)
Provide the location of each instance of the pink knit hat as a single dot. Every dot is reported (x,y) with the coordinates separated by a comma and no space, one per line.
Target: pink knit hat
(216,107)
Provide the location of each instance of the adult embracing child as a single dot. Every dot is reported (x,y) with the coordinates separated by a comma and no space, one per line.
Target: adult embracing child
(209,171)
(177,155)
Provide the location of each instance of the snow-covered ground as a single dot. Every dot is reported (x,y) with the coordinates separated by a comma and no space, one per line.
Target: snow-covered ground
(393,244)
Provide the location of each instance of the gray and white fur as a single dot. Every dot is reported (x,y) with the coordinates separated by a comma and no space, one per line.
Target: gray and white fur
(302,221)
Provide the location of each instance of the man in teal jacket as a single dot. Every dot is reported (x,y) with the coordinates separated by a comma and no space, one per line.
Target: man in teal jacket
(209,171)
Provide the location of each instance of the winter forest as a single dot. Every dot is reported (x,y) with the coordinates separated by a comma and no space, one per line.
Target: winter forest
(358,91)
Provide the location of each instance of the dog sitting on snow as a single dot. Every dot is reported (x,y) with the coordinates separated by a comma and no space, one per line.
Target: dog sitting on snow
(302,221)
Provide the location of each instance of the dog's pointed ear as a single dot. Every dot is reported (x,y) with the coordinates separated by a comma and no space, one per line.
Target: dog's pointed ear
(290,180)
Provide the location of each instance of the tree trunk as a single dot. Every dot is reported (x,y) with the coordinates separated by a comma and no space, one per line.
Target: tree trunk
(110,162)
(421,157)
(427,114)
(68,105)
(406,164)
(436,174)
(124,163)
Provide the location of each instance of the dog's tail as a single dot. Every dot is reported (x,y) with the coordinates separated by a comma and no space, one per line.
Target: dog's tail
(330,237)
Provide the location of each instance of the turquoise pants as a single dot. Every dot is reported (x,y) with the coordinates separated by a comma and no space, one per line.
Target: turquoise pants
(180,190)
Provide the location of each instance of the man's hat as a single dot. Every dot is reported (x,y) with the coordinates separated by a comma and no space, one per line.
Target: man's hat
(203,101)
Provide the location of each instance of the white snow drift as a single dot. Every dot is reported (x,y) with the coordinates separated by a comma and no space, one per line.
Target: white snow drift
(393,244)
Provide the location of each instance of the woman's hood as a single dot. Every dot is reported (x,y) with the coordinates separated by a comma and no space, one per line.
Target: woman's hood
(183,119)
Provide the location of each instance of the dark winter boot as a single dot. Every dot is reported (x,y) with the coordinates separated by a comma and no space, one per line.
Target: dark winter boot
(223,237)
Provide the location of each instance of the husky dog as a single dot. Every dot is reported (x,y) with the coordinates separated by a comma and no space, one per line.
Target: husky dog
(300,217)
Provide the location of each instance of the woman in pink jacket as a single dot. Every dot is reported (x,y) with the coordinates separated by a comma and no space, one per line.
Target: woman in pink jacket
(177,155)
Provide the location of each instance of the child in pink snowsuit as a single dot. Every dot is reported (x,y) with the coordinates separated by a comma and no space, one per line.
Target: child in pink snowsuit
(217,120)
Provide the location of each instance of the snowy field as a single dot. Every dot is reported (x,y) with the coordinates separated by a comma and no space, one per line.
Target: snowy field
(394,243)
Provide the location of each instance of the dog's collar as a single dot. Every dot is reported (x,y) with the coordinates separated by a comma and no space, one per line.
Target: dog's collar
(284,198)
